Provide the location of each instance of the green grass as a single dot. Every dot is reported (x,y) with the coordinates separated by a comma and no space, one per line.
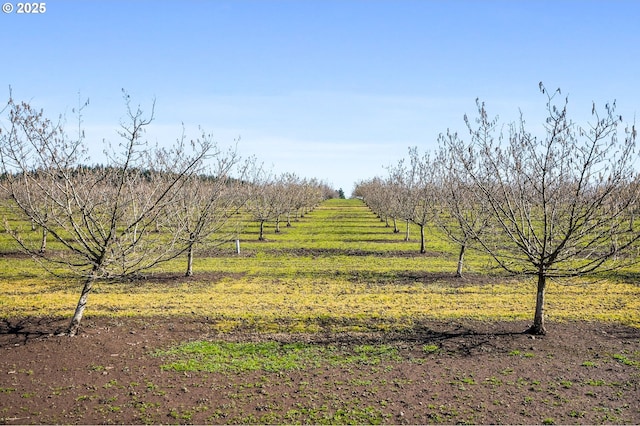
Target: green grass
(336,269)
(216,357)
(431,348)
(237,357)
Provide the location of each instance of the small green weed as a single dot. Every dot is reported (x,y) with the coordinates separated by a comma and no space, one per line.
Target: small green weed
(494,381)
(516,352)
(430,349)
(577,414)
(567,384)
(180,414)
(625,360)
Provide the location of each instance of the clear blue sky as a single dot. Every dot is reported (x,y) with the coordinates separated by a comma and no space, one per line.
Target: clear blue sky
(328,89)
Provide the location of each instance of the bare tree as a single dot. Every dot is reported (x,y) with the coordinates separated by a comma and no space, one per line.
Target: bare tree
(263,199)
(563,202)
(401,183)
(282,194)
(294,192)
(200,213)
(303,195)
(371,192)
(103,216)
(409,192)
(423,191)
(460,214)
(314,192)
(384,198)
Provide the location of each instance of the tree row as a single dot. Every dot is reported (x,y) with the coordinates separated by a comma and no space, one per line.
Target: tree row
(558,202)
(144,205)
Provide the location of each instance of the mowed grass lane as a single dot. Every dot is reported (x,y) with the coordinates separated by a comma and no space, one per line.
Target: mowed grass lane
(339,268)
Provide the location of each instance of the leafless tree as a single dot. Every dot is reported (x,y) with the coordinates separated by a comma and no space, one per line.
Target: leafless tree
(410,192)
(298,200)
(401,182)
(262,202)
(423,191)
(102,216)
(201,212)
(294,192)
(299,196)
(314,192)
(460,214)
(563,202)
(282,195)
(371,192)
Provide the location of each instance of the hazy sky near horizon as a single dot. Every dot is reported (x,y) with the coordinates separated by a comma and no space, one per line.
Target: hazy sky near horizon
(329,89)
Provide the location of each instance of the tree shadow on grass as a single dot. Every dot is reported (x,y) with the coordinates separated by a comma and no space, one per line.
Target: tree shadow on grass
(14,255)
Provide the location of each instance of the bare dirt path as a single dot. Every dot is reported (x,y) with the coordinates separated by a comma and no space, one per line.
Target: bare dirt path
(446,372)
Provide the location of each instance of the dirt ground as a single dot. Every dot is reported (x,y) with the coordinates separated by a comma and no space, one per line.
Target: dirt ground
(579,373)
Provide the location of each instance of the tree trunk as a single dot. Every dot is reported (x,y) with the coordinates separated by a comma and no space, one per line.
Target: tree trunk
(395,226)
(463,247)
(277,224)
(189,261)
(406,236)
(261,236)
(538,319)
(82,304)
(288,220)
(422,249)
(386,222)
(43,242)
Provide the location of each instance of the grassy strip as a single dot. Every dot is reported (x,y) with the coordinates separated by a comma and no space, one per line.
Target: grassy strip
(220,357)
(308,305)
(337,269)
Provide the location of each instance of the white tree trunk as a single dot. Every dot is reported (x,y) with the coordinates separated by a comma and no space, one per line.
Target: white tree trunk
(43,241)
(189,261)
(463,248)
(82,304)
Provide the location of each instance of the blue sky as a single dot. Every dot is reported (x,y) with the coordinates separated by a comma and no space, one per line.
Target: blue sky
(329,89)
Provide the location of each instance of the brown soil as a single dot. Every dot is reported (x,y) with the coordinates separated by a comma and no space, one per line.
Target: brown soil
(580,373)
